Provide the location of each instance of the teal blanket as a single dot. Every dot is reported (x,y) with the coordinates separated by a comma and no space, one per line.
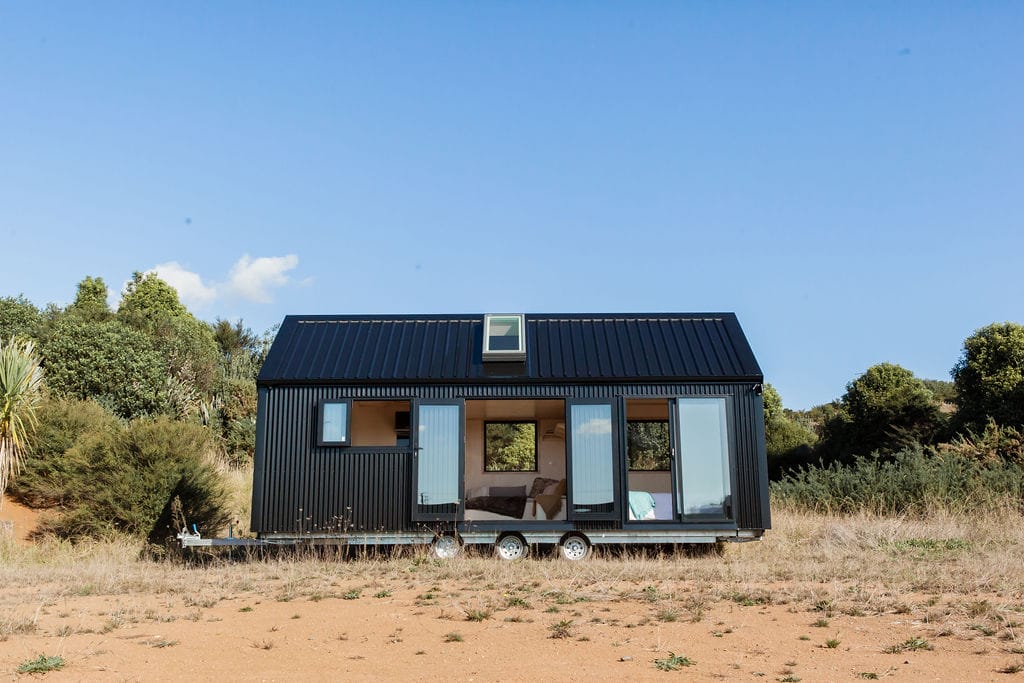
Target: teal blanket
(641,503)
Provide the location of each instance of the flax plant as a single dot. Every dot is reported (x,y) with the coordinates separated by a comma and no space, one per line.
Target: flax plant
(21,385)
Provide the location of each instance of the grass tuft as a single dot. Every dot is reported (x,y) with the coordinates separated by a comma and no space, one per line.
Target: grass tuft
(42,664)
(909,645)
(561,629)
(673,662)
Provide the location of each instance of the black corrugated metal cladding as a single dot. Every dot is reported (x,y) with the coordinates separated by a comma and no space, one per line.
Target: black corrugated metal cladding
(301,487)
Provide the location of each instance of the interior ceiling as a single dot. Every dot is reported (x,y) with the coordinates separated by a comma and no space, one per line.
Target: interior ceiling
(519,409)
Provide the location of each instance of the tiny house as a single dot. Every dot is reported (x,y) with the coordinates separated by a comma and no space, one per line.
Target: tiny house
(511,430)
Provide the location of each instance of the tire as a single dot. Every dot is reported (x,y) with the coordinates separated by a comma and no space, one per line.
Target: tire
(511,547)
(574,547)
(445,547)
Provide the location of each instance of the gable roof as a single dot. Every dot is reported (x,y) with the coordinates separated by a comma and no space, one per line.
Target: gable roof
(426,349)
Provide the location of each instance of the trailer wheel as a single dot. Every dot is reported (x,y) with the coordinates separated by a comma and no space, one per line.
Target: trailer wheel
(445,547)
(574,547)
(511,547)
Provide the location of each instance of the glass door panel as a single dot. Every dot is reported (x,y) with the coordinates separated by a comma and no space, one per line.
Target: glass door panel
(703,457)
(593,473)
(440,438)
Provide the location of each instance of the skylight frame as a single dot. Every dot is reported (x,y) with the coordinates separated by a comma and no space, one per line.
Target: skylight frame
(492,320)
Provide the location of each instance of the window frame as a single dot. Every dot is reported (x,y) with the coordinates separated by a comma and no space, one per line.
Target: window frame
(536,446)
(668,437)
(347,440)
(516,354)
(729,472)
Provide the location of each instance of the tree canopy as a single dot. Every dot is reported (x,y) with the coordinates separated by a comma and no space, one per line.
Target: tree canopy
(884,409)
(91,300)
(108,361)
(787,441)
(989,377)
(19,317)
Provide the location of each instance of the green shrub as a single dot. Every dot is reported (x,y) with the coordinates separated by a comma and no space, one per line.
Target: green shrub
(914,480)
(47,476)
(107,361)
(124,480)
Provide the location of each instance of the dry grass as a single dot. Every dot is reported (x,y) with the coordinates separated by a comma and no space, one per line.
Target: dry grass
(853,565)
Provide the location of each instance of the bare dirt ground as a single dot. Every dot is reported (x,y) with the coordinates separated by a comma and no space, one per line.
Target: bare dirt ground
(820,599)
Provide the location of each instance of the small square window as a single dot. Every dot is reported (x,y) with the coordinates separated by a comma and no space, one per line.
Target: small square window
(510,446)
(504,337)
(334,423)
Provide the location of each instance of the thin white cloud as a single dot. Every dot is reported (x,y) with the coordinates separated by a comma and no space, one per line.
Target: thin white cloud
(253,278)
(191,289)
(595,426)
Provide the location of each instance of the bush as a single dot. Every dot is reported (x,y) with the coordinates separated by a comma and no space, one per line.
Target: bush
(107,361)
(46,475)
(123,480)
(912,481)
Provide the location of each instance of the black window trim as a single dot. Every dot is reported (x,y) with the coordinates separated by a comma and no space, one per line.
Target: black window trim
(320,423)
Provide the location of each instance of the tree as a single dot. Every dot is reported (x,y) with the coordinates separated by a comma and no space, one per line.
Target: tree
(884,409)
(149,301)
(989,377)
(91,300)
(234,339)
(19,317)
(21,386)
(187,344)
(647,445)
(510,446)
(107,361)
(788,442)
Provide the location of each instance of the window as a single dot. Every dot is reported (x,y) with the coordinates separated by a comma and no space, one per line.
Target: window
(510,446)
(334,423)
(704,456)
(504,337)
(647,445)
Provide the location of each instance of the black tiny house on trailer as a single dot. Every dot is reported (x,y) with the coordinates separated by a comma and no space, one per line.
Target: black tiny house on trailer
(511,430)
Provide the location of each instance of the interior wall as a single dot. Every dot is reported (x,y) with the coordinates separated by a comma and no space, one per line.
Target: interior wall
(550,448)
(373,422)
(655,482)
(641,480)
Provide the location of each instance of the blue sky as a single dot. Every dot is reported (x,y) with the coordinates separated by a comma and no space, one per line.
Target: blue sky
(846,177)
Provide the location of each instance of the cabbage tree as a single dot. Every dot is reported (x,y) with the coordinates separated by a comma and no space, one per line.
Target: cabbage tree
(21,385)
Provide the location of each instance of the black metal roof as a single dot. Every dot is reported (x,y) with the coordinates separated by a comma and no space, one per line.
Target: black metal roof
(428,349)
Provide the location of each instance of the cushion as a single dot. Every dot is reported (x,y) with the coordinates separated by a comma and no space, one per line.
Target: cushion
(551,499)
(508,491)
(560,488)
(551,503)
(541,483)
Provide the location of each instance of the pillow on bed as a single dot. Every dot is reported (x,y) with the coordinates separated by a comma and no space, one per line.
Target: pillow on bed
(508,491)
(557,488)
(539,484)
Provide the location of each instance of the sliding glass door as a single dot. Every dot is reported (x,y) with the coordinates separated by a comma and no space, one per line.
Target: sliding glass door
(439,439)
(593,463)
(703,459)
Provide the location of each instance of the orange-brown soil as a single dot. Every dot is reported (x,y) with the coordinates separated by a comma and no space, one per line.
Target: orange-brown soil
(820,599)
(21,520)
(390,630)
